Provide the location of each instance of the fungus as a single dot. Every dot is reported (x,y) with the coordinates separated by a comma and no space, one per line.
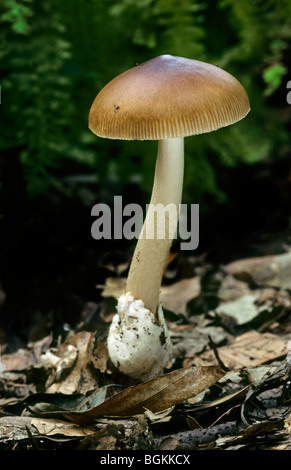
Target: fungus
(165,99)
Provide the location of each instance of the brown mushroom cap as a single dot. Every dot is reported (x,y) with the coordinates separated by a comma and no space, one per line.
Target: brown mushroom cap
(167,97)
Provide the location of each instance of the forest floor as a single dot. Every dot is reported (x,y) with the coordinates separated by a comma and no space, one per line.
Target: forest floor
(226,388)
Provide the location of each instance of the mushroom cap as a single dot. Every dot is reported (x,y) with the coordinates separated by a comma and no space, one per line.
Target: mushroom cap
(167,97)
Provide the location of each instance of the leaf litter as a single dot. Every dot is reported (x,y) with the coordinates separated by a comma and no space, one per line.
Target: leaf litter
(228,386)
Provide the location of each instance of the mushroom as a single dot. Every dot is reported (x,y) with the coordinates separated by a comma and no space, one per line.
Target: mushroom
(165,99)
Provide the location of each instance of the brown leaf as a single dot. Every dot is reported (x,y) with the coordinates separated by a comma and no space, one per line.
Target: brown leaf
(173,298)
(22,359)
(14,428)
(176,297)
(72,373)
(100,357)
(50,427)
(242,310)
(271,270)
(288,423)
(247,350)
(113,287)
(155,395)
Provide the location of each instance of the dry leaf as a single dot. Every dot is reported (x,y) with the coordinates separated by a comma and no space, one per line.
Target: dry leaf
(176,297)
(193,339)
(173,298)
(114,287)
(22,359)
(232,288)
(155,395)
(15,428)
(244,309)
(160,416)
(20,427)
(220,401)
(254,434)
(50,427)
(100,357)
(247,350)
(287,423)
(273,270)
(74,360)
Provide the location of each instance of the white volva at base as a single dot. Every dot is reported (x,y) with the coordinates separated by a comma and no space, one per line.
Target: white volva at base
(138,343)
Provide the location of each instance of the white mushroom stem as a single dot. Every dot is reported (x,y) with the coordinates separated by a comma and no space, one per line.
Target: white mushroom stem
(139,344)
(150,255)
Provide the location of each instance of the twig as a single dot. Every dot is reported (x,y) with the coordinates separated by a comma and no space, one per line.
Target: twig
(214,349)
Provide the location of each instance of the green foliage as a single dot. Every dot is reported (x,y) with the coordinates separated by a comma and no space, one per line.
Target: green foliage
(273,77)
(37,93)
(56,56)
(17,14)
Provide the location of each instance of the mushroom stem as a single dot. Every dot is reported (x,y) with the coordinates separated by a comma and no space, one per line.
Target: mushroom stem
(159,229)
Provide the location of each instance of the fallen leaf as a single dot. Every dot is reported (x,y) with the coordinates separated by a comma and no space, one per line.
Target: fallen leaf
(115,433)
(287,423)
(254,435)
(155,395)
(160,416)
(15,428)
(247,350)
(18,361)
(244,309)
(113,287)
(176,296)
(100,357)
(22,359)
(71,365)
(50,427)
(272,270)
(193,339)
(232,288)
(220,401)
